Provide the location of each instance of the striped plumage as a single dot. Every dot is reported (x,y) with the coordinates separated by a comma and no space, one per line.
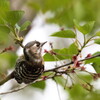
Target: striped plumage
(29,66)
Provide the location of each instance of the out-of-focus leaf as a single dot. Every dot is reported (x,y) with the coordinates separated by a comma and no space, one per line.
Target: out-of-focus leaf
(4,29)
(85,77)
(96,66)
(7,60)
(60,80)
(98,33)
(97,41)
(95,62)
(34,5)
(79,93)
(14,17)
(4,34)
(4,7)
(25,25)
(86,28)
(64,34)
(40,85)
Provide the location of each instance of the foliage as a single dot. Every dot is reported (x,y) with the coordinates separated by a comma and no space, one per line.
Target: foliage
(80,12)
(66,10)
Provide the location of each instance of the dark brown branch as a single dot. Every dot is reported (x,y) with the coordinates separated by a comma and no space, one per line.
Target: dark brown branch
(10,76)
(54,69)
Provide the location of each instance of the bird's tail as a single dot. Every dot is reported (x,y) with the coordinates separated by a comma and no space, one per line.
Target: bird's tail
(10,76)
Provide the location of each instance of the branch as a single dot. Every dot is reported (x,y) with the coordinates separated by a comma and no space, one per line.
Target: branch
(20,88)
(54,69)
(10,76)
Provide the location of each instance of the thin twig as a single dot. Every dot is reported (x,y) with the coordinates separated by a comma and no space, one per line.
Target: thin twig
(20,88)
(53,69)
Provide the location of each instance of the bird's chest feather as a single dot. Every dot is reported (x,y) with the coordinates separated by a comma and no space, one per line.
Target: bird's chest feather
(28,72)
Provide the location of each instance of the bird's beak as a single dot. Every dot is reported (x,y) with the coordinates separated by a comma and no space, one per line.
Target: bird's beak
(43,43)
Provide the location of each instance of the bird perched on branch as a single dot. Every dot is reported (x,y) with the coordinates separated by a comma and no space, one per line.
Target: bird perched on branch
(29,66)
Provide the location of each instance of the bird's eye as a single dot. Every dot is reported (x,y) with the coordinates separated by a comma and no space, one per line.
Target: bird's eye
(37,44)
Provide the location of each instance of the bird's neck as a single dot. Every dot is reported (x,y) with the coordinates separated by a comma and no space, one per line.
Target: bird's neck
(35,60)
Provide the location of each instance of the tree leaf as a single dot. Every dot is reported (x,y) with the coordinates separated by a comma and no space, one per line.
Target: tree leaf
(73,49)
(51,57)
(95,62)
(4,34)
(4,7)
(64,52)
(25,25)
(40,85)
(98,33)
(7,60)
(60,80)
(48,57)
(64,34)
(61,54)
(97,41)
(4,30)
(86,28)
(14,17)
(34,5)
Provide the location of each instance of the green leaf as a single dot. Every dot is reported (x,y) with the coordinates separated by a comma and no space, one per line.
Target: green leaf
(86,28)
(98,33)
(86,77)
(60,80)
(34,5)
(14,17)
(7,60)
(4,7)
(25,25)
(4,34)
(51,57)
(48,57)
(64,34)
(64,52)
(61,54)
(79,91)
(95,62)
(82,94)
(97,41)
(40,85)
(4,29)
(73,49)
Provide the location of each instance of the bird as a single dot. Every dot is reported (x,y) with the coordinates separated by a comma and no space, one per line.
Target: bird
(30,65)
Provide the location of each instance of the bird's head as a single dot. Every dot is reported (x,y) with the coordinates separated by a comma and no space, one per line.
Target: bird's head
(32,50)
